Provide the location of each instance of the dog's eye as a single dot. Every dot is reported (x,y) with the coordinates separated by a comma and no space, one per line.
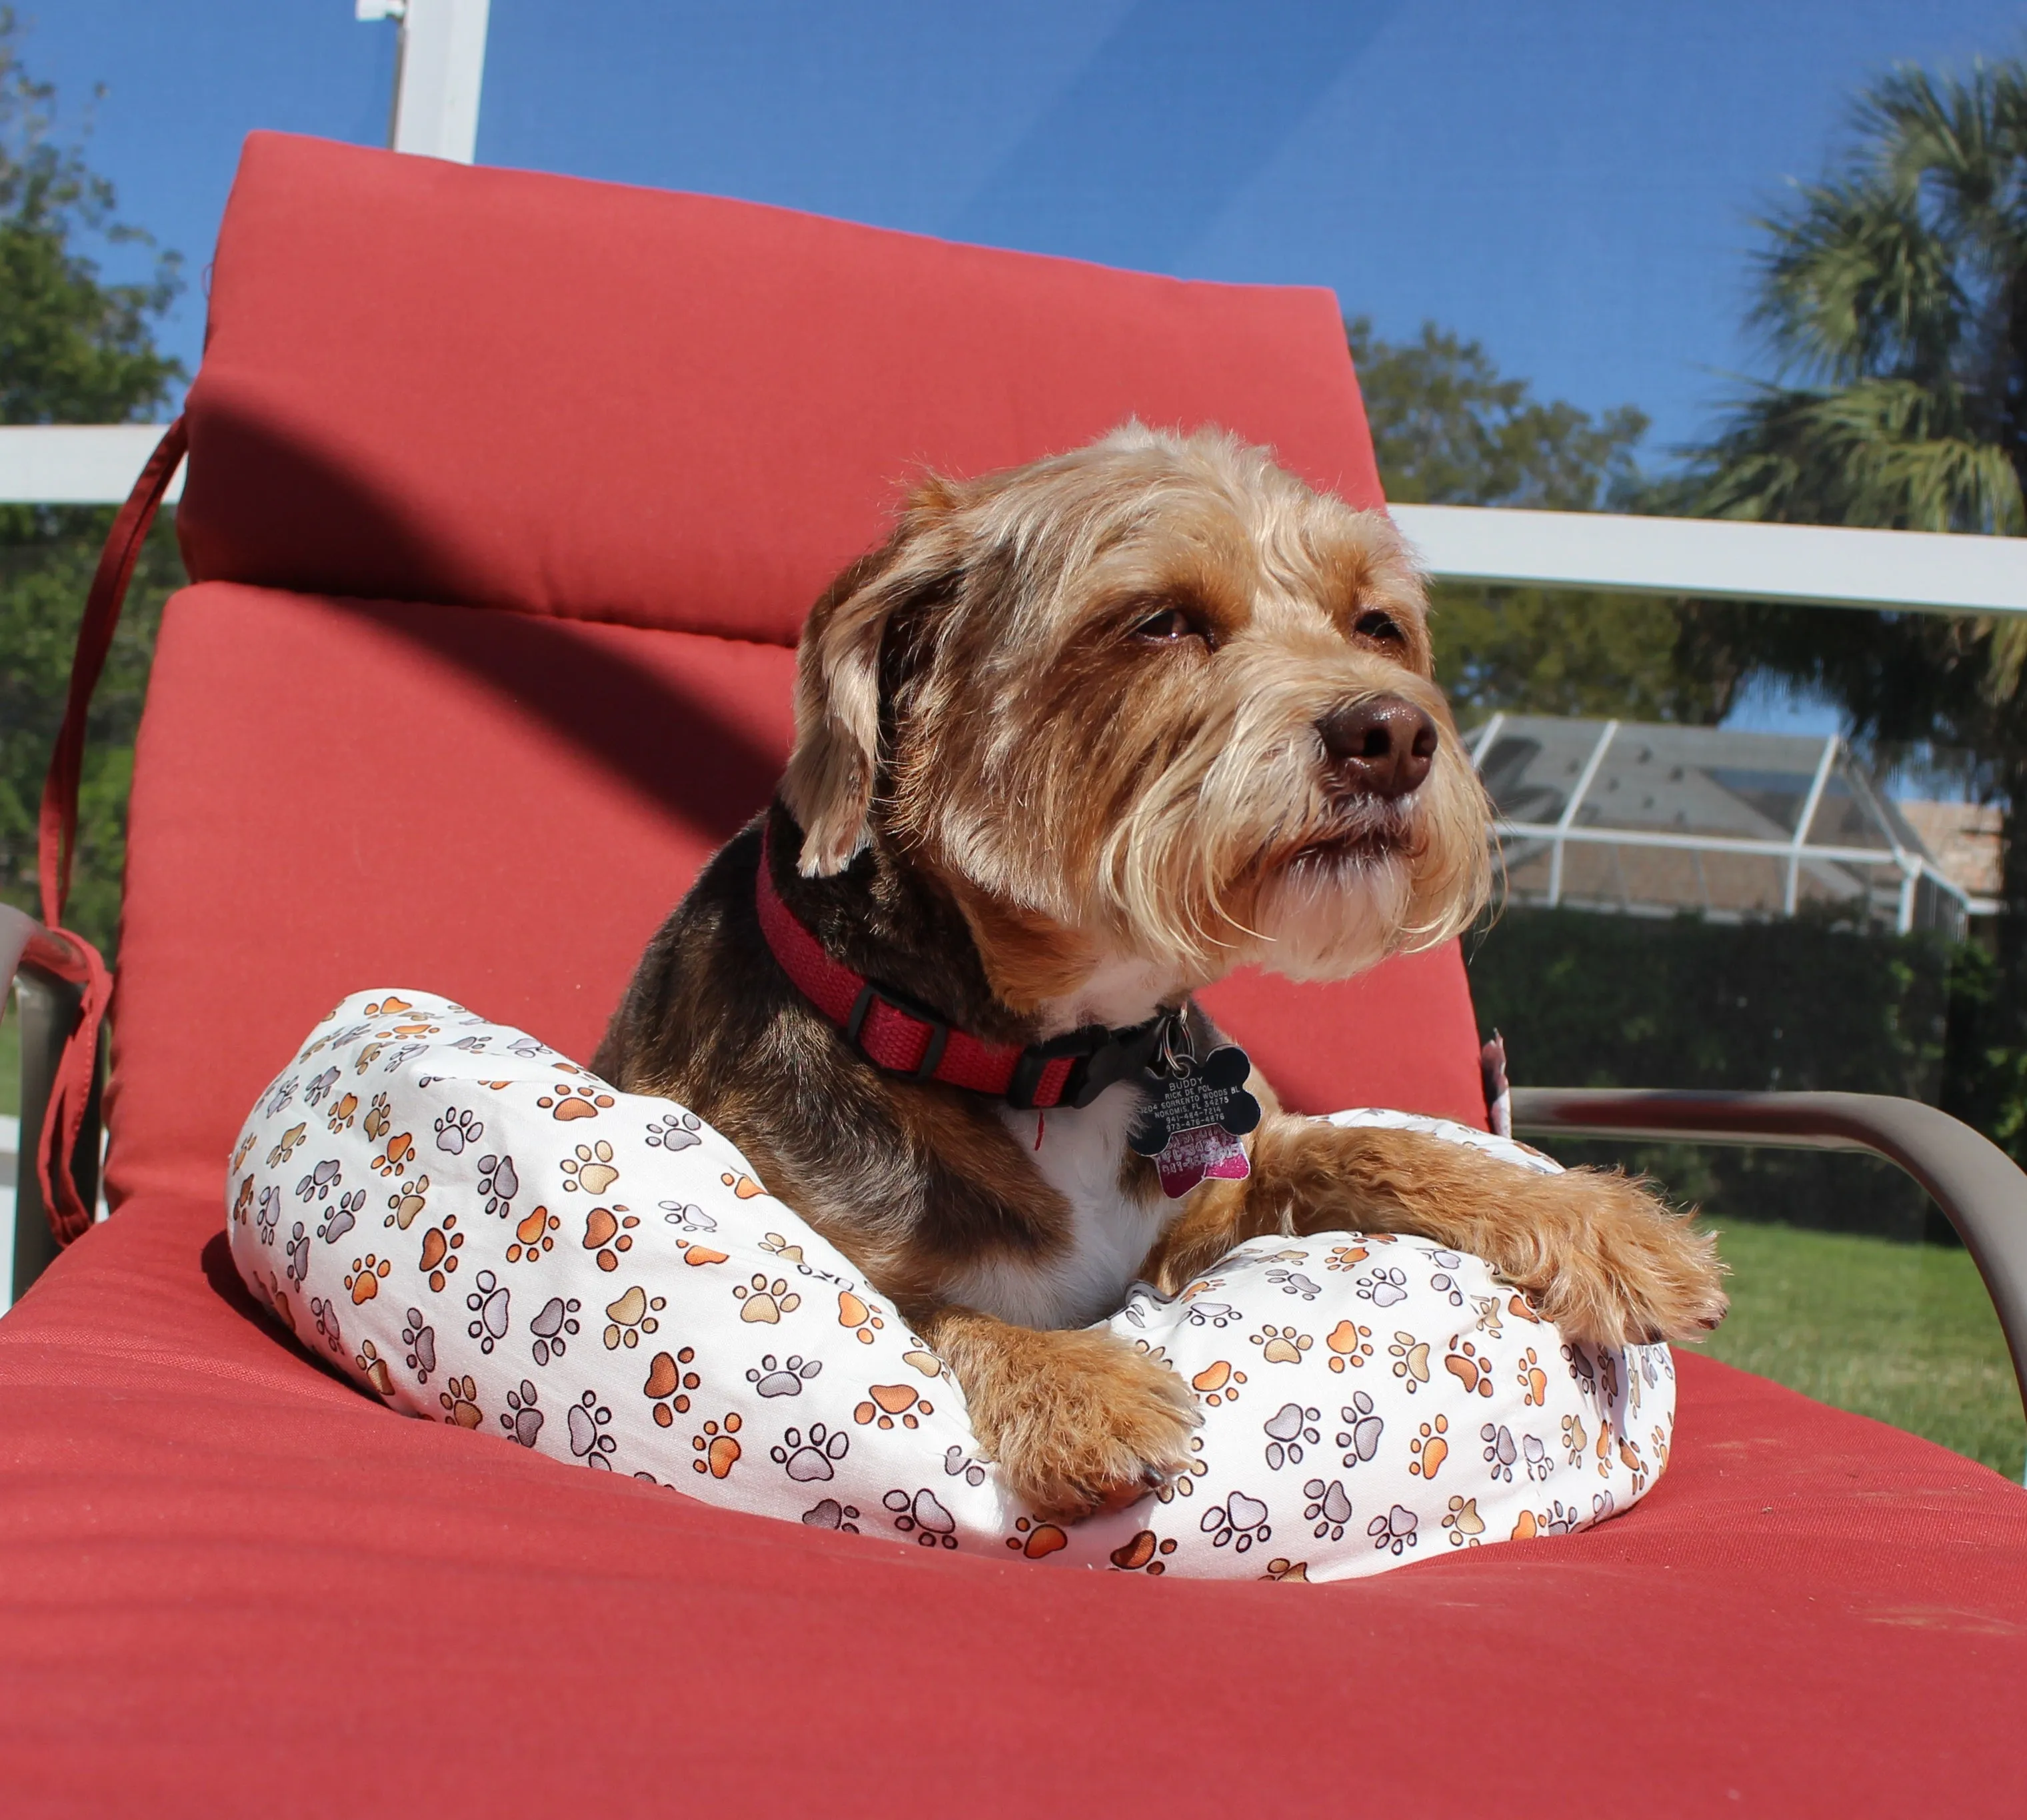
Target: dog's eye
(1169,624)
(1380,625)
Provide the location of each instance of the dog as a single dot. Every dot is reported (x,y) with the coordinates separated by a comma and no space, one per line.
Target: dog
(1079,740)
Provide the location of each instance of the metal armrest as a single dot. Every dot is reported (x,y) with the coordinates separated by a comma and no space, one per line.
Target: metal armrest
(1980,1189)
(50,1009)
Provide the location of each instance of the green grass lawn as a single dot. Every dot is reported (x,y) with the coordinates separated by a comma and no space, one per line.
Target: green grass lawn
(1902,1332)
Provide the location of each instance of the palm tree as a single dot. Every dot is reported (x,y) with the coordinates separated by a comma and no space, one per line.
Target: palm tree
(1893,296)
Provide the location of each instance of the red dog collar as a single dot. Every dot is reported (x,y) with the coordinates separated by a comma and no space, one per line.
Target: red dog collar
(899,1036)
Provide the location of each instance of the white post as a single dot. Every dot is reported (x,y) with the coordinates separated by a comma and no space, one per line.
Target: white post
(1817,786)
(437,74)
(1567,819)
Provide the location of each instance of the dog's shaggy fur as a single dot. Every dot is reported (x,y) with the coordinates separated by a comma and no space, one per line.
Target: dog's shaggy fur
(1079,738)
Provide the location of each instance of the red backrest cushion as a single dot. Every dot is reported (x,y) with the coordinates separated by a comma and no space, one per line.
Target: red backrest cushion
(429,390)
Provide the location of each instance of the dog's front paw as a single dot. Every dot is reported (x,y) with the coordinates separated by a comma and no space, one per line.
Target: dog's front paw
(1620,1268)
(1088,1424)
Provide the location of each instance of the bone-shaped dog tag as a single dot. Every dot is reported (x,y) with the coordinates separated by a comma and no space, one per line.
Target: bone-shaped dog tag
(1193,1119)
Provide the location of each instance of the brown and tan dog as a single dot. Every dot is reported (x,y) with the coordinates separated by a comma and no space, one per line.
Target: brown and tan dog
(1081,738)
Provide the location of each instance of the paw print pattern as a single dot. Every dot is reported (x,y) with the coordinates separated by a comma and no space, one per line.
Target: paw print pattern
(853,1312)
(522,1419)
(1500,1451)
(888,1403)
(1212,1314)
(1360,1436)
(279,1097)
(456,1129)
(487,1302)
(769,1378)
(1288,1430)
(314,1093)
(405,1203)
(363,1281)
(373,1368)
(1184,1482)
(669,1382)
(325,1316)
(1292,1283)
(923,1517)
(395,1159)
(1471,1368)
(1143,1553)
(1574,1440)
(673,1132)
(1346,1256)
(553,1327)
(1534,1453)
(1383,1287)
(609,1231)
(762,1301)
(1036,1539)
(589,1169)
(1218,1382)
(441,1245)
(317,1185)
(1411,1360)
(1395,1531)
(716,1447)
(342,1217)
(958,1463)
(1350,1344)
(1282,1345)
(420,1339)
(1238,1522)
(459,1400)
(1329,1508)
(534,1236)
(267,1214)
(588,1421)
(828,1514)
(379,1118)
(344,1113)
(1534,1381)
(286,1146)
(498,1184)
(297,1251)
(586,1103)
(1431,1448)
(630,1316)
(1462,1525)
(815,1458)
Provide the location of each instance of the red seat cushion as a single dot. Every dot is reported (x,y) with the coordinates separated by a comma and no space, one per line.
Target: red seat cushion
(229,1583)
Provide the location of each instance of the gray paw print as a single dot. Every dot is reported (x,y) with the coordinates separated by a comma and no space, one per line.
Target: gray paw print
(280,1097)
(687,1219)
(523,1421)
(456,1129)
(298,1250)
(957,1462)
(527,1048)
(589,1441)
(1211,1314)
(1293,1283)
(1395,1532)
(343,1217)
(1383,1288)
(772,1380)
(1539,1465)
(317,1185)
(420,1339)
(1239,1521)
(552,1328)
(1287,1428)
(1499,1451)
(803,1461)
(675,1131)
(1360,1436)
(923,1517)
(314,1094)
(499,1184)
(1329,1508)
(487,1301)
(268,1213)
(829,1513)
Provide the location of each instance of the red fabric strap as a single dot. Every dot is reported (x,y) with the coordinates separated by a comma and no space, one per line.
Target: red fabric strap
(61,951)
(888,1035)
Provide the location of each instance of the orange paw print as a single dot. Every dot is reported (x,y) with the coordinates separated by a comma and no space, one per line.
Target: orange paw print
(344,1112)
(631,1316)
(1349,1345)
(286,1146)
(1532,1380)
(1347,1256)
(243,1205)
(590,1169)
(1411,1360)
(668,1384)
(1036,1539)
(1144,1554)
(1218,1382)
(762,1301)
(440,1245)
(1521,1308)
(1282,1568)
(239,1156)
(890,1402)
(400,1152)
(744,1186)
(460,1400)
(1282,1345)
(1470,1368)
(853,1311)
(405,1203)
(1184,1482)
(366,1275)
(369,1362)
(1462,1525)
(378,1118)
(535,1234)
(1431,1448)
(718,1451)
(608,1231)
(568,1103)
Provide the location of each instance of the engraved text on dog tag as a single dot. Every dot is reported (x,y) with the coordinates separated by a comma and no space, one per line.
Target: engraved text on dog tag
(1193,1119)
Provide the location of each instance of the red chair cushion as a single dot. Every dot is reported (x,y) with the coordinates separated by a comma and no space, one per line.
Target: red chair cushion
(429,381)
(230,1584)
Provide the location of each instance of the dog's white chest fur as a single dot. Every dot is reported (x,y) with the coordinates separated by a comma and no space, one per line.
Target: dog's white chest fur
(1080,1156)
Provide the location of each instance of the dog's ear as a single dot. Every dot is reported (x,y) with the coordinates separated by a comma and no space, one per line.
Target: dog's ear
(830,783)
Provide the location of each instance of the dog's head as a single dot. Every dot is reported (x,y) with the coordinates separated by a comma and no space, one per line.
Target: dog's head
(1156,702)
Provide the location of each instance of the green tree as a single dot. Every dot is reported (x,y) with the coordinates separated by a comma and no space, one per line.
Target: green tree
(1449,430)
(1893,294)
(74,348)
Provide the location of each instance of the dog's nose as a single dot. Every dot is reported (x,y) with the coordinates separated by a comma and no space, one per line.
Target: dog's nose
(1382,747)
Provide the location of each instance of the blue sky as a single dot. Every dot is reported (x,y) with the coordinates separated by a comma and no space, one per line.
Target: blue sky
(1572,182)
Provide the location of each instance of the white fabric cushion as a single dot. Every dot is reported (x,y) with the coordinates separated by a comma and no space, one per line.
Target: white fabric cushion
(480,1232)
